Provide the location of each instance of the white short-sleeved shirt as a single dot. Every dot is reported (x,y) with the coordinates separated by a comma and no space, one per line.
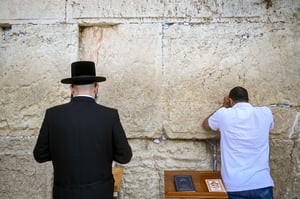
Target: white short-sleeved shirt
(244,145)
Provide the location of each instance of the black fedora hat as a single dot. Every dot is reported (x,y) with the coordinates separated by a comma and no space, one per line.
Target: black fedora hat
(83,72)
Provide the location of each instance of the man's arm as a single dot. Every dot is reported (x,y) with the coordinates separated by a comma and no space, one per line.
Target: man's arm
(226,104)
(205,124)
(122,149)
(41,151)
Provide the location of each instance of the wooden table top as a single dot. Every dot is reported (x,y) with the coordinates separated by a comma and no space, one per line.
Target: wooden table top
(199,183)
(117,173)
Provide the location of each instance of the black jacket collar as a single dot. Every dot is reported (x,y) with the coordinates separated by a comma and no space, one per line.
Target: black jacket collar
(82,98)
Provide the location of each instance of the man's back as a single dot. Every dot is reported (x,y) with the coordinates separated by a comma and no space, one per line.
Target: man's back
(244,145)
(81,133)
(83,140)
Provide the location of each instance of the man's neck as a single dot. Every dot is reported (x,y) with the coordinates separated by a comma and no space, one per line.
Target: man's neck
(84,95)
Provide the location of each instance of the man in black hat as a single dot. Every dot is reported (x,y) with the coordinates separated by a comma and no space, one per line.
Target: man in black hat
(82,139)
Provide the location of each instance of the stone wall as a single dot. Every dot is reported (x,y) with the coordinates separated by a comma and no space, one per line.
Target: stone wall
(168,64)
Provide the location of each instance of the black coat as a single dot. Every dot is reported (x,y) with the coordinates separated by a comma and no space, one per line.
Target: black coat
(82,138)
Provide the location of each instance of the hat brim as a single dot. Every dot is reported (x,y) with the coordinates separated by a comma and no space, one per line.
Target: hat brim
(83,80)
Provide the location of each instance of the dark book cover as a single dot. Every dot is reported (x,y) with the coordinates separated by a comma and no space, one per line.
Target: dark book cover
(184,183)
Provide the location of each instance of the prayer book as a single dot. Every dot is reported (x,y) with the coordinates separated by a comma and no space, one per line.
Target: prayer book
(184,183)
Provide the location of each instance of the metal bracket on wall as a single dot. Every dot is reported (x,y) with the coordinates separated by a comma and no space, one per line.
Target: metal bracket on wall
(213,143)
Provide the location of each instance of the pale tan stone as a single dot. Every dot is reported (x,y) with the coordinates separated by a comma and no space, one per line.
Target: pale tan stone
(27,11)
(21,176)
(130,57)
(145,171)
(168,65)
(31,71)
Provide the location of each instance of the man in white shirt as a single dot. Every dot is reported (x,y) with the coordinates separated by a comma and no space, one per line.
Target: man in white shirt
(244,145)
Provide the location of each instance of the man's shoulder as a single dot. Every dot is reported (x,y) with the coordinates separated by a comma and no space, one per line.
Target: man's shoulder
(70,106)
(59,106)
(56,108)
(263,108)
(263,111)
(107,108)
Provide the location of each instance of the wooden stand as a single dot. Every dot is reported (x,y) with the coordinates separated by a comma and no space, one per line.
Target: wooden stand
(199,182)
(117,173)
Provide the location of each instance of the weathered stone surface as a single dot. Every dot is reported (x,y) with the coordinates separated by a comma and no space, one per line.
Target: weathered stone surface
(212,59)
(107,12)
(286,123)
(120,9)
(21,177)
(19,171)
(30,74)
(284,153)
(32,11)
(293,190)
(281,164)
(182,11)
(168,65)
(130,57)
(145,172)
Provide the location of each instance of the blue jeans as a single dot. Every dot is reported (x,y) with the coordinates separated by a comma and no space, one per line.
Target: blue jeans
(263,193)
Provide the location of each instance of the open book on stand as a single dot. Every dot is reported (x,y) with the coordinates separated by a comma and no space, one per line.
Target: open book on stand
(184,183)
(215,185)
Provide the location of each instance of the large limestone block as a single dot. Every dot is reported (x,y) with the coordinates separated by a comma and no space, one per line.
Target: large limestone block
(130,57)
(24,11)
(117,8)
(34,60)
(278,10)
(294,185)
(144,174)
(20,179)
(102,11)
(281,164)
(224,10)
(212,59)
(286,123)
(284,151)
(21,176)
(95,11)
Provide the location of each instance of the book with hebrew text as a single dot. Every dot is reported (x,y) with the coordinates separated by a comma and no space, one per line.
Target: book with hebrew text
(184,183)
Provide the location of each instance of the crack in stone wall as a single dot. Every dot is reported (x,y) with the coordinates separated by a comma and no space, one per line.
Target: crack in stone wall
(168,65)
